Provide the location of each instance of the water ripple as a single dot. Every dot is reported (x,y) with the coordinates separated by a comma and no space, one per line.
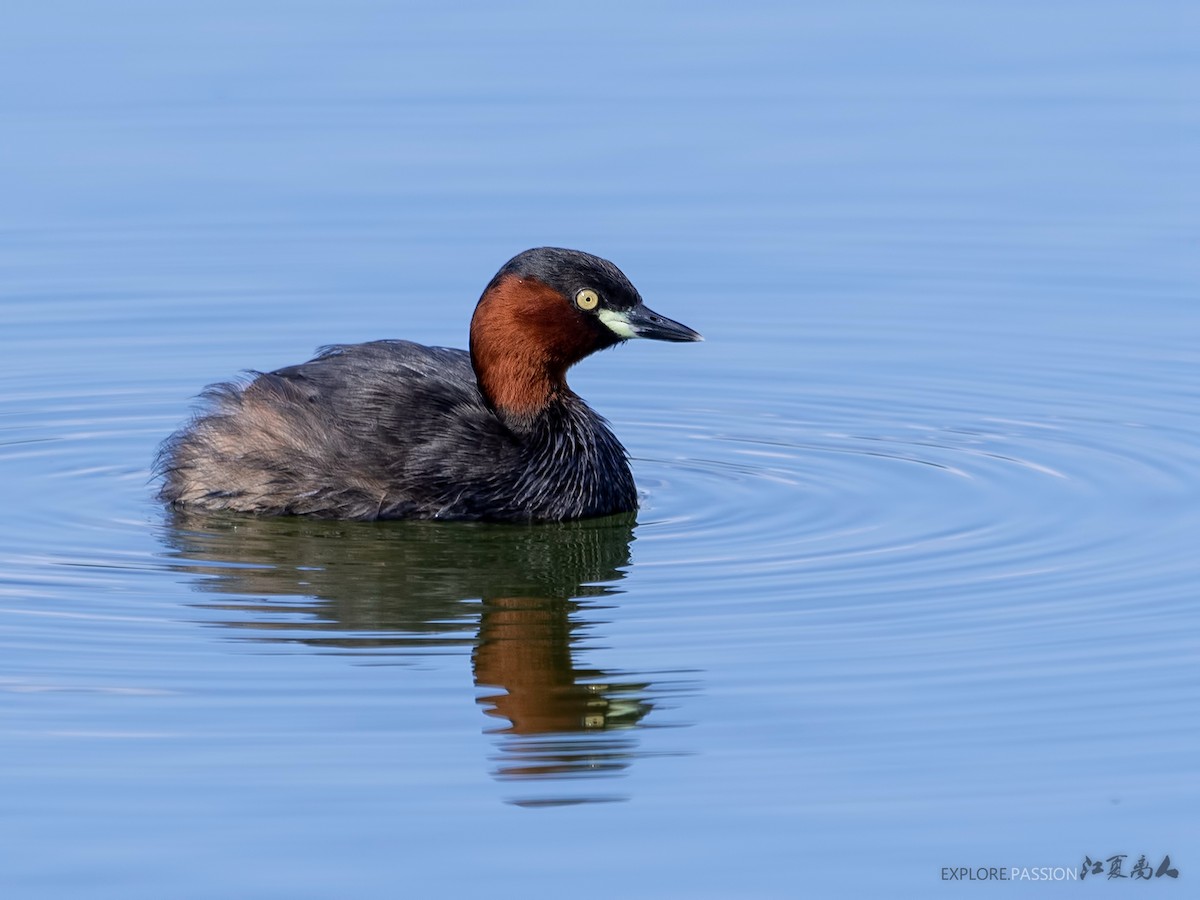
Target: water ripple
(895,536)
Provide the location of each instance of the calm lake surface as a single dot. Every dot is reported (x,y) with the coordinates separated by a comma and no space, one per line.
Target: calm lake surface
(914,581)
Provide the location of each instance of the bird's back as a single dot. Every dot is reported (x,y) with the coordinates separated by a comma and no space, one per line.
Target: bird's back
(389,429)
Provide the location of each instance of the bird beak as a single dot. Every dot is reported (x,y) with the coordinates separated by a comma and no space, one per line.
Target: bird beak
(642,322)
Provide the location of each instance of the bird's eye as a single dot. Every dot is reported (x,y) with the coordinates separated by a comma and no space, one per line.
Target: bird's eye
(587,299)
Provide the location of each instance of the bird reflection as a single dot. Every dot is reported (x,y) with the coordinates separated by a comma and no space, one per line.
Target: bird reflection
(513,592)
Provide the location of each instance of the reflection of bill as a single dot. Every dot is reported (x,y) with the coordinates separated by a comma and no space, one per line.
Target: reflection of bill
(411,586)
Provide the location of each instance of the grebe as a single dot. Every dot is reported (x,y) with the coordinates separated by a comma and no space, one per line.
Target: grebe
(392,429)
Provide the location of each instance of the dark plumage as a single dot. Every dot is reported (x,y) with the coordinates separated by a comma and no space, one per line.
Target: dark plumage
(393,429)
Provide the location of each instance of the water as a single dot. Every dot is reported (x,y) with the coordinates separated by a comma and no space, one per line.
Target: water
(913,584)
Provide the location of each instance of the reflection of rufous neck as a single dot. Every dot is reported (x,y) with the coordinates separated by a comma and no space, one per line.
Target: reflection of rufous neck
(524,648)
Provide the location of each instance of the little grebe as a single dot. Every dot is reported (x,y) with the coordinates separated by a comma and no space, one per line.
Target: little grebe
(393,429)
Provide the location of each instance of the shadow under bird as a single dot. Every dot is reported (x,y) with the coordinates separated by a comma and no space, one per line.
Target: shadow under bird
(393,429)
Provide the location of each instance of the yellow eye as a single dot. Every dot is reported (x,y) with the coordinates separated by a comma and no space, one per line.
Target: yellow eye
(587,299)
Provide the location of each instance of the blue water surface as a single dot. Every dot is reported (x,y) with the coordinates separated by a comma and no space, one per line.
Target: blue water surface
(914,580)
